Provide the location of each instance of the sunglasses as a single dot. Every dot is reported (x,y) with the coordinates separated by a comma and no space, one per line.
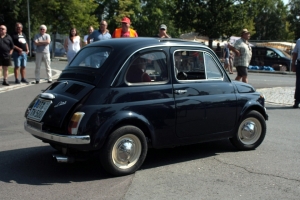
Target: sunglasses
(162,29)
(42,29)
(103,24)
(19,27)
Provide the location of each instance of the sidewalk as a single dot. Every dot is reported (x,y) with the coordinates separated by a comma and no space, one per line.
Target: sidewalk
(278,95)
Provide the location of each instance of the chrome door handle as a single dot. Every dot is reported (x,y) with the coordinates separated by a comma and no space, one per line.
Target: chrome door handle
(180,91)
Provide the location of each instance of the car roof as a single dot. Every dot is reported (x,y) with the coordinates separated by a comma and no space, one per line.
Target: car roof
(145,42)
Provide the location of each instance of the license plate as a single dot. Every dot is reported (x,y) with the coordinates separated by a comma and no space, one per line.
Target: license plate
(39,109)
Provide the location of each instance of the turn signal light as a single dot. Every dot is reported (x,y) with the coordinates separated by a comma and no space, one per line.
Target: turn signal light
(74,123)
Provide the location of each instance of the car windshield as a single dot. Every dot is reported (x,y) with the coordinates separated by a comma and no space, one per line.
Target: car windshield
(93,57)
(285,53)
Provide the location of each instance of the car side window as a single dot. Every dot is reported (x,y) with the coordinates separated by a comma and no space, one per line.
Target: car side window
(148,68)
(212,69)
(93,57)
(189,65)
(195,65)
(271,54)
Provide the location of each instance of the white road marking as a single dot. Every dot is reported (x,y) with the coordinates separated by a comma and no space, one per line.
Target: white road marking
(22,85)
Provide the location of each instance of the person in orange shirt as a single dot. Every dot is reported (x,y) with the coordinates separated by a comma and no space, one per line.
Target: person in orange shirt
(125,31)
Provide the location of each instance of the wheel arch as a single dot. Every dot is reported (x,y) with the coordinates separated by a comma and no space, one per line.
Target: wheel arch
(253,106)
(122,119)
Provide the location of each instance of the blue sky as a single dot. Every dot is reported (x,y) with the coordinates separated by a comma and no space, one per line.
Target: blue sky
(285,1)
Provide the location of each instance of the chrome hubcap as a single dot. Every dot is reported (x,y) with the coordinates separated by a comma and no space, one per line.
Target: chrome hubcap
(249,131)
(126,151)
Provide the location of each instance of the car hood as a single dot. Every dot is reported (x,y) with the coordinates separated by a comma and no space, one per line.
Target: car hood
(243,87)
(64,97)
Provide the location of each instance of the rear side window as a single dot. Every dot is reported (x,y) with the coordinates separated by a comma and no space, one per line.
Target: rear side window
(93,57)
(148,68)
(195,65)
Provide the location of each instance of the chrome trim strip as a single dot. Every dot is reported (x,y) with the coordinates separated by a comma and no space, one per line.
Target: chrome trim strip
(65,139)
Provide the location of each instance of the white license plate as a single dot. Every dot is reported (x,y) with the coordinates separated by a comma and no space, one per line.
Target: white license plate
(39,109)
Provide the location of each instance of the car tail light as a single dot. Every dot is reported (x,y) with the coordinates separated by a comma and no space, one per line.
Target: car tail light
(74,123)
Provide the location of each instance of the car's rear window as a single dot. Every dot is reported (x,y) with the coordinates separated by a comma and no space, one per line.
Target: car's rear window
(93,57)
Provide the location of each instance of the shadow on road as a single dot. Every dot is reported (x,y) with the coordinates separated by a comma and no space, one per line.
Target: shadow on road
(35,166)
(160,157)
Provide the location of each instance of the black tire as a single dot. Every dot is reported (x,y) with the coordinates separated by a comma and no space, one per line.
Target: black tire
(118,162)
(250,132)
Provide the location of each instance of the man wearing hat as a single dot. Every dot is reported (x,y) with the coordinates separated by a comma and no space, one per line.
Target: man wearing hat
(162,32)
(125,31)
(243,56)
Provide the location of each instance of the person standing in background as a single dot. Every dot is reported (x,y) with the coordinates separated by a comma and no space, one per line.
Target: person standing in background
(243,54)
(226,57)
(6,49)
(231,57)
(219,50)
(162,32)
(91,30)
(296,68)
(125,31)
(42,41)
(72,44)
(20,53)
(101,34)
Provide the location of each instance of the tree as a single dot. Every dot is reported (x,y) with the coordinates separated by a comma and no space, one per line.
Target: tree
(114,10)
(270,20)
(60,16)
(153,14)
(294,17)
(211,18)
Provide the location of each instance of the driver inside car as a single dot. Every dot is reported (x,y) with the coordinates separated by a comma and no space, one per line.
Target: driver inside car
(136,72)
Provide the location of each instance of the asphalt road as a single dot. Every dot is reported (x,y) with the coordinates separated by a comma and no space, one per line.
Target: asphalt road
(213,170)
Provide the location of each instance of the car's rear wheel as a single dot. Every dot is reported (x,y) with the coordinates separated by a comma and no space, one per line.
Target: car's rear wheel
(125,151)
(251,131)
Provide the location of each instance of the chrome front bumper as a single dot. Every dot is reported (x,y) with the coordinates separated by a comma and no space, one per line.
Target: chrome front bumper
(64,139)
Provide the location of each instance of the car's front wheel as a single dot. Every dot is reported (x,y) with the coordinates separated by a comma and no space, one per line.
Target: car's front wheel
(125,151)
(251,131)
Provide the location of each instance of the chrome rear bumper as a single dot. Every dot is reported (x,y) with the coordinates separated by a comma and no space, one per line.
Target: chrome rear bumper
(64,139)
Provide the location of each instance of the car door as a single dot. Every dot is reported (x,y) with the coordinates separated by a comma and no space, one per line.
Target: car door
(205,98)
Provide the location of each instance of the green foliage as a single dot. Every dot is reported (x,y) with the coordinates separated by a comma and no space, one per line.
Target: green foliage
(214,18)
(294,18)
(270,20)
(266,19)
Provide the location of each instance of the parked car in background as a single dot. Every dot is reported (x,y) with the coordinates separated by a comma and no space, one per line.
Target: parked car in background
(268,56)
(119,97)
(59,49)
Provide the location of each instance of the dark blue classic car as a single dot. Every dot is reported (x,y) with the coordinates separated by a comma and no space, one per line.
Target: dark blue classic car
(119,97)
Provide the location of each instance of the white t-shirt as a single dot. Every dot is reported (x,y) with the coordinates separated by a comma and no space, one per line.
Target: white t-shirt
(75,45)
(85,39)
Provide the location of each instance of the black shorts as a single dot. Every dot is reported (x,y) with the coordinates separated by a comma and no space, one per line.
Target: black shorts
(241,71)
(6,61)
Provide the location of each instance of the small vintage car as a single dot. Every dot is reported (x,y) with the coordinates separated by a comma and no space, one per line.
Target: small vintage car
(119,97)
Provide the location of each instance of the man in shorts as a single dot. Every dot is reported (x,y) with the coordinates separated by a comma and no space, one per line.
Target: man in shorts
(6,49)
(243,54)
(20,53)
